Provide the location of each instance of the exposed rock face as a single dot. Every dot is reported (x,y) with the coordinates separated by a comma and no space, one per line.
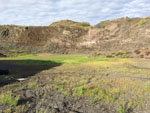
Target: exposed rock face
(41,39)
(120,34)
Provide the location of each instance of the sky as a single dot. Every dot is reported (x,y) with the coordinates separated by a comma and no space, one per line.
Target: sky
(44,12)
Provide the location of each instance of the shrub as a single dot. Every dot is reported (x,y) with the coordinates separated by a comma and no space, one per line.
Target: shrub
(103,24)
(85,24)
(141,56)
(119,54)
(109,56)
(142,22)
(137,51)
(98,54)
(148,53)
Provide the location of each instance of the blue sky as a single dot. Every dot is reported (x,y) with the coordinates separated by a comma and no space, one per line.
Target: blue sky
(44,12)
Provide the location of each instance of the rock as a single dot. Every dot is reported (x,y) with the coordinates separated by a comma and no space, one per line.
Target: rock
(29,94)
(21,79)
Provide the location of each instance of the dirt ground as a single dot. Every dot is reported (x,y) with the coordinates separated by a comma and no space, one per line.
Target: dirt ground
(39,95)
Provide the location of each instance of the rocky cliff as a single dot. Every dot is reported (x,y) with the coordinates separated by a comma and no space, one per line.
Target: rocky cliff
(72,37)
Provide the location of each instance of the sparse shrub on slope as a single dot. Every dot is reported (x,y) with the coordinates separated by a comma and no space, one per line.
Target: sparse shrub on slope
(85,24)
(137,51)
(70,23)
(143,21)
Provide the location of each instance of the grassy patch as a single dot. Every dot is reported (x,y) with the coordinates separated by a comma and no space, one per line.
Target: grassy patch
(7,98)
(83,89)
(126,107)
(109,80)
(33,85)
(71,60)
(98,93)
(24,86)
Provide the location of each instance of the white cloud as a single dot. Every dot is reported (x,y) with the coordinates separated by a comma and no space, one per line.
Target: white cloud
(44,12)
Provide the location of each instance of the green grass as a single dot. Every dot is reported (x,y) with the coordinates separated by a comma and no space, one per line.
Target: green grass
(126,107)
(98,93)
(33,85)
(7,98)
(122,109)
(45,60)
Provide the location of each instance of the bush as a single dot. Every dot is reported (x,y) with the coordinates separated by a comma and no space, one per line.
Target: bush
(98,54)
(120,54)
(109,56)
(137,51)
(141,56)
(85,24)
(142,22)
(148,53)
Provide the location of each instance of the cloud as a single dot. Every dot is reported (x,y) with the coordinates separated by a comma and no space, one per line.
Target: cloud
(44,12)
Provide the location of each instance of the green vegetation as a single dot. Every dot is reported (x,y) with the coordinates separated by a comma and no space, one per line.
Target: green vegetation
(7,98)
(103,24)
(33,85)
(126,107)
(108,80)
(18,109)
(141,56)
(85,24)
(122,109)
(137,51)
(143,21)
(147,53)
(125,54)
(46,60)
(70,23)
(23,87)
(97,93)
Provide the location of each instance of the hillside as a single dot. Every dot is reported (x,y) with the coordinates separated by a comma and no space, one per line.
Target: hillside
(73,37)
(70,23)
